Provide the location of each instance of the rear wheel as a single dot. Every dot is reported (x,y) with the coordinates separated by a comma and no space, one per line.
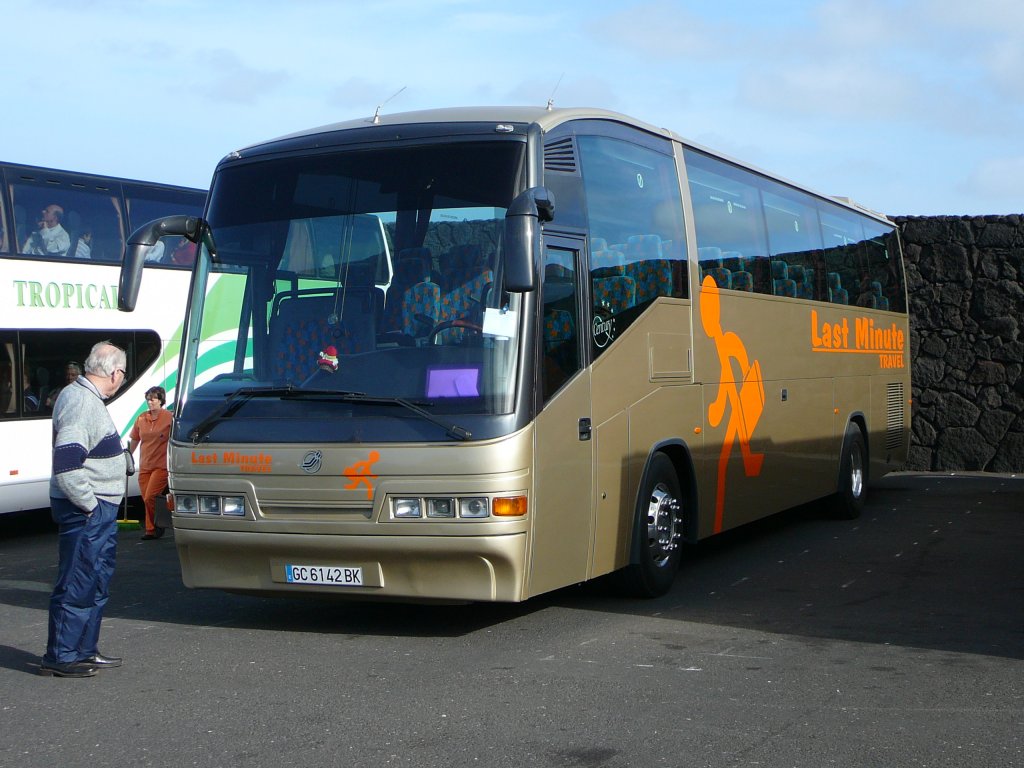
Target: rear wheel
(657,532)
(848,502)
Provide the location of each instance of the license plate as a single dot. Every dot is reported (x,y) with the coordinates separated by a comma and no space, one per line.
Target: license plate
(332,575)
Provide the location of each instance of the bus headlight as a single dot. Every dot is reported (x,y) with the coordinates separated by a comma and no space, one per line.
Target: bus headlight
(473,507)
(209,505)
(186,503)
(440,507)
(406,508)
(234,505)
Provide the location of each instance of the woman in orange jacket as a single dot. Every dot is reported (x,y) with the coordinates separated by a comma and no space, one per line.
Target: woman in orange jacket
(152,430)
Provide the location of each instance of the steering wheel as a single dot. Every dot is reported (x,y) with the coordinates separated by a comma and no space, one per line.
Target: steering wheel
(459,322)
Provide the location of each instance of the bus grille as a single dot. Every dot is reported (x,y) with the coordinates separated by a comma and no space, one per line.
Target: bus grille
(560,155)
(894,416)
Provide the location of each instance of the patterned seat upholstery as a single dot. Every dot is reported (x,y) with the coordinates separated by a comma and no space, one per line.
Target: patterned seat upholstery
(302,325)
(421,309)
(880,300)
(653,278)
(465,301)
(836,293)
(867,296)
(811,287)
(798,274)
(614,293)
(743,281)
(558,328)
(721,276)
(733,260)
(410,269)
(782,284)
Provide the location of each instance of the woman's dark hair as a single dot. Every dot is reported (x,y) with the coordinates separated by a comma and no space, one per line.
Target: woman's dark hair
(157,392)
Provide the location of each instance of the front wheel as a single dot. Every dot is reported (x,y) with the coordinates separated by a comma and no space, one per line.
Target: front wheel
(657,532)
(848,502)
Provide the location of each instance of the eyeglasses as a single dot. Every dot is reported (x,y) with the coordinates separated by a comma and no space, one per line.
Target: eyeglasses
(122,371)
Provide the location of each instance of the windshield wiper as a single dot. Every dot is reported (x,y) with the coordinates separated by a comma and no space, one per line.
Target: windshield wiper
(454,430)
(241,396)
(460,433)
(234,401)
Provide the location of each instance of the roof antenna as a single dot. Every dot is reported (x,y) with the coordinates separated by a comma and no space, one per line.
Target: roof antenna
(551,100)
(376,115)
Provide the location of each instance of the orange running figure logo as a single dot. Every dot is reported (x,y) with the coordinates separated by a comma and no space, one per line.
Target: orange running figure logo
(744,399)
(360,474)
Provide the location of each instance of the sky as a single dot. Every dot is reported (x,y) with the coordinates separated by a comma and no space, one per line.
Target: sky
(909,107)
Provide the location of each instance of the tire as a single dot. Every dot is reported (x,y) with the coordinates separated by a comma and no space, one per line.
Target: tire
(657,532)
(848,503)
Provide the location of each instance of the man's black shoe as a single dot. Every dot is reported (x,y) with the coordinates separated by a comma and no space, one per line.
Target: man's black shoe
(102,662)
(71,669)
(159,532)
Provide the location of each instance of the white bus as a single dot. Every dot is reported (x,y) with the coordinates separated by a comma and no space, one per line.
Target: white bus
(62,235)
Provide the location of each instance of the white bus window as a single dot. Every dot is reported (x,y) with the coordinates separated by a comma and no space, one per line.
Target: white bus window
(145,203)
(55,218)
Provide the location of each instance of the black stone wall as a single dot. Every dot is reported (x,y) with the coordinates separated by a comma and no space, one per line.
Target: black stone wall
(965,279)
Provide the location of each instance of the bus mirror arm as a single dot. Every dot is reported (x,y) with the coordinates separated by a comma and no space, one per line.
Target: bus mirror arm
(141,240)
(522,237)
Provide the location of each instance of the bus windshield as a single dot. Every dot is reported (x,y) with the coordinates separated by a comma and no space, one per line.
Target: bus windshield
(355,295)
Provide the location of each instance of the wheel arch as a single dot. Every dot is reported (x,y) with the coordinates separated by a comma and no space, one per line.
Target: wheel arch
(678,452)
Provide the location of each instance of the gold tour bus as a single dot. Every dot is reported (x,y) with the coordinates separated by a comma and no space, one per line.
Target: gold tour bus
(479,354)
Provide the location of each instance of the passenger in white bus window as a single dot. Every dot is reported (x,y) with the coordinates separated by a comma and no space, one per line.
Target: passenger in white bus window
(51,239)
(83,248)
(71,372)
(29,399)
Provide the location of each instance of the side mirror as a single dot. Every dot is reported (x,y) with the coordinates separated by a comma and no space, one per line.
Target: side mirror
(141,240)
(522,237)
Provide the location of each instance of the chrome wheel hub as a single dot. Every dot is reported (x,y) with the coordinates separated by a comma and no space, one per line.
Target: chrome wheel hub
(663,525)
(856,474)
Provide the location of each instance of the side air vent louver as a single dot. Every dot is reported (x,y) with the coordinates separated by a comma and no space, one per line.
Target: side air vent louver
(560,155)
(894,416)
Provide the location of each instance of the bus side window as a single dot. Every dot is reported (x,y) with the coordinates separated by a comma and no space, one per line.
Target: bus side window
(58,218)
(561,349)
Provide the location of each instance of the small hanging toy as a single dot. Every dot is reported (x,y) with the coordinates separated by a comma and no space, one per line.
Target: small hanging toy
(328,360)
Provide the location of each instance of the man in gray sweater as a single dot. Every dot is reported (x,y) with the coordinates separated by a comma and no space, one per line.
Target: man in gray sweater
(86,488)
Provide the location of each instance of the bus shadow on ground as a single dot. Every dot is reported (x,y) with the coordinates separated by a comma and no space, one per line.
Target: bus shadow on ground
(933,563)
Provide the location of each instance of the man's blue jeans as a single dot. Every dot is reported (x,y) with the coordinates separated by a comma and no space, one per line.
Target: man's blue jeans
(88,549)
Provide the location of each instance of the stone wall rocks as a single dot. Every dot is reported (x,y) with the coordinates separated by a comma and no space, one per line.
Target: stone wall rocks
(965,280)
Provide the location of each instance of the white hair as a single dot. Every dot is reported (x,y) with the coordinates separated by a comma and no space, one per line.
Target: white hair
(105,358)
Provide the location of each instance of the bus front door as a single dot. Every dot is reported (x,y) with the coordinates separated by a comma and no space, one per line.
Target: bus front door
(563,448)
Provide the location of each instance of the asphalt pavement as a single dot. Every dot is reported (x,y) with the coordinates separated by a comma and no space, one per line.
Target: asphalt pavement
(892,640)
